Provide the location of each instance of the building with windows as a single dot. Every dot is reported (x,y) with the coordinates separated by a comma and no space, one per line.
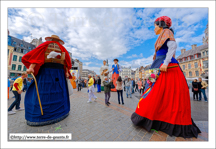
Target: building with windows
(194,62)
(137,74)
(16,49)
(126,72)
(85,73)
(191,61)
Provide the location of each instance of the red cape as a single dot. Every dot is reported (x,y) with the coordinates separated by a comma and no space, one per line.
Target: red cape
(37,56)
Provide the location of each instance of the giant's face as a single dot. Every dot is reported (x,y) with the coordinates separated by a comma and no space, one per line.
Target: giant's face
(115,61)
(104,62)
(157,29)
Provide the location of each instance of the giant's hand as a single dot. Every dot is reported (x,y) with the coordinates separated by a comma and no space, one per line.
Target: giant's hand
(30,70)
(154,57)
(163,68)
(67,75)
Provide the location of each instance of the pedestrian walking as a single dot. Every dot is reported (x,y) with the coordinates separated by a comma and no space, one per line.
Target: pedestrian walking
(128,86)
(79,82)
(25,84)
(202,90)
(94,82)
(98,84)
(133,85)
(91,89)
(140,85)
(17,90)
(136,85)
(195,89)
(107,89)
(119,89)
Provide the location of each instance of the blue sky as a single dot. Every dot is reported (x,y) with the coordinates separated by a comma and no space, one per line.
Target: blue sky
(95,34)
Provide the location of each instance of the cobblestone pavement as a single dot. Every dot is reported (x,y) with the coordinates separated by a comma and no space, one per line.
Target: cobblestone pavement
(97,122)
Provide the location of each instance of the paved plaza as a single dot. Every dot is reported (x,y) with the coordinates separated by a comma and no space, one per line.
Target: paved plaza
(97,122)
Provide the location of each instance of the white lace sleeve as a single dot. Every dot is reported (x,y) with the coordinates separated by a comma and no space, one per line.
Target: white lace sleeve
(171,51)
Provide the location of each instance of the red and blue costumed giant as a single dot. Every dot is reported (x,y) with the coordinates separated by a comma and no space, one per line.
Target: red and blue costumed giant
(165,105)
(51,72)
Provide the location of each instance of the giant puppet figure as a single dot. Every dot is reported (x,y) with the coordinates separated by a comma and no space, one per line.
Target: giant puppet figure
(47,99)
(116,68)
(73,81)
(104,71)
(165,104)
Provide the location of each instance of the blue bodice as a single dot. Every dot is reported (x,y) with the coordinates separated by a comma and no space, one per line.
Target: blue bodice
(163,51)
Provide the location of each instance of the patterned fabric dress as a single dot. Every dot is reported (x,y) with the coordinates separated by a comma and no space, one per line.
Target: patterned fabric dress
(165,105)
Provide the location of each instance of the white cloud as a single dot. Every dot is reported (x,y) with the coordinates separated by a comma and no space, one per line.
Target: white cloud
(135,55)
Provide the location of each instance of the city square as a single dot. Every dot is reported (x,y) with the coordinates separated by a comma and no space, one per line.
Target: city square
(97,122)
(134,76)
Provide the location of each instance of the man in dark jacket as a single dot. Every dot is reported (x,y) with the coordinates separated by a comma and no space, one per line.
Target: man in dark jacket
(99,84)
(133,85)
(79,82)
(107,88)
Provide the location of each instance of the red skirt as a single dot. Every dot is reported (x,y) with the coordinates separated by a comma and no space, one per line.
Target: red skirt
(114,77)
(167,106)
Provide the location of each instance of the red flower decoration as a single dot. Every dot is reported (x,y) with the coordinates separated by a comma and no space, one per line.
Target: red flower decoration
(166,19)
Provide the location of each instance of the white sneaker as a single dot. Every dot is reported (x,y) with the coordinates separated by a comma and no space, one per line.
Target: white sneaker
(20,109)
(89,101)
(95,99)
(11,112)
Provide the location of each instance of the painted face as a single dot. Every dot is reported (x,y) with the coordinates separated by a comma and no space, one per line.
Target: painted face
(115,62)
(104,62)
(157,29)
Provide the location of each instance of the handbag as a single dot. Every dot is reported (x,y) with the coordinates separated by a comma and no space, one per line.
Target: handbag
(112,86)
(70,88)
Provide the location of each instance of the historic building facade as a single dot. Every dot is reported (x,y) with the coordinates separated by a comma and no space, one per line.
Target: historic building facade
(16,49)
(194,62)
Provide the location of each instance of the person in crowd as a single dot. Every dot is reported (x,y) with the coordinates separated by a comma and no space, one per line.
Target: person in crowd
(136,85)
(28,82)
(17,90)
(91,89)
(195,89)
(107,89)
(79,82)
(73,81)
(204,85)
(124,83)
(94,81)
(139,85)
(98,84)
(128,86)
(133,85)
(8,87)
(25,84)
(119,89)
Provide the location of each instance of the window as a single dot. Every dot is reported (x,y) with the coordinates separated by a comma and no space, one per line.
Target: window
(19,67)
(195,56)
(13,67)
(197,73)
(21,45)
(20,59)
(25,51)
(196,64)
(189,66)
(206,52)
(18,49)
(24,68)
(14,58)
(184,74)
(29,48)
(22,50)
(205,64)
(14,43)
(203,53)
(12,74)
(190,73)
(183,67)
(188,57)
